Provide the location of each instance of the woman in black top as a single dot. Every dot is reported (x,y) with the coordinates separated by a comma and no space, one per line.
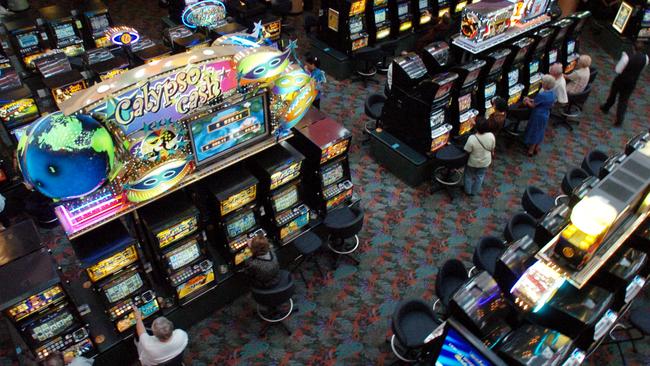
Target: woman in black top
(263,267)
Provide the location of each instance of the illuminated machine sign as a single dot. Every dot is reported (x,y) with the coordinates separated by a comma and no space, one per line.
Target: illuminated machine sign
(194,284)
(112,264)
(123,36)
(64,93)
(206,13)
(18,111)
(285,175)
(35,303)
(334,150)
(622,17)
(238,200)
(536,286)
(158,180)
(181,229)
(486,19)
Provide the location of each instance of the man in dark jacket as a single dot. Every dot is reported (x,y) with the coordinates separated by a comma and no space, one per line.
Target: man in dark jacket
(628,70)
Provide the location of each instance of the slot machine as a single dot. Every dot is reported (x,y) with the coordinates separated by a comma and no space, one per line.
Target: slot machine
(96,20)
(425,128)
(345,24)
(325,144)
(182,39)
(64,30)
(436,57)
(512,86)
(17,107)
(422,14)
(532,344)
(9,78)
(233,193)
(378,21)
(111,259)
(485,20)
(147,51)
(463,115)
(458,5)
(533,73)
(104,64)
(554,51)
(177,241)
(489,79)
(176,8)
(278,170)
(401,17)
(512,264)
(442,7)
(570,48)
(58,76)
(622,275)
(29,41)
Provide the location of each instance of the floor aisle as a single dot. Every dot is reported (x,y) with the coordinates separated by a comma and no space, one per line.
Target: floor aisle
(408,233)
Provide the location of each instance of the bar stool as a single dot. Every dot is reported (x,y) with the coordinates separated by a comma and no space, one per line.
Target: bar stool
(307,245)
(447,175)
(273,299)
(536,202)
(520,225)
(411,323)
(593,161)
(341,224)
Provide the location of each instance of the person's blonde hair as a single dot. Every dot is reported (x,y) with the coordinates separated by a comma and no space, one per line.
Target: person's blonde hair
(555,69)
(548,82)
(583,61)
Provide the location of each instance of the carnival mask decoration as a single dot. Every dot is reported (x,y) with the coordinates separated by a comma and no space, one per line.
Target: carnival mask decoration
(261,64)
(158,180)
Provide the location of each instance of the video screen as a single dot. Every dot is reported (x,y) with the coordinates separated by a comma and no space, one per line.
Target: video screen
(497,64)
(465,102)
(27,40)
(50,325)
(99,23)
(214,135)
(402,9)
(241,224)
(443,90)
(183,255)
(356,25)
(423,4)
(646,16)
(533,67)
(490,91)
(332,174)
(64,31)
(436,119)
(380,16)
(513,77)
(457,351)
(552,57)
(472,76)
(285,199)
(570,47)
(123,288)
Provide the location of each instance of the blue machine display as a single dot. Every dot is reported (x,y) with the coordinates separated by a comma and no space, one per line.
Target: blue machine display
(456,351)
(62,30)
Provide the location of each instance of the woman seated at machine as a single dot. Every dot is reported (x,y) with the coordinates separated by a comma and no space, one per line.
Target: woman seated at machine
(578,80)
(262,268)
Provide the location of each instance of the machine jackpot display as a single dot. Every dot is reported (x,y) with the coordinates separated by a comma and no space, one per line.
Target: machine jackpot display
(345,28)
(28,40)
(436,57)
(512,85)
(554,52)
(96,20)
(104,64)
(423,13)
(462,114)
(401,17)
(489,79)
(378,21)
(325,144)
(64,31)
(278,169)
(173,227)
(111,259)
(533,73)
(233,193)
(40,309)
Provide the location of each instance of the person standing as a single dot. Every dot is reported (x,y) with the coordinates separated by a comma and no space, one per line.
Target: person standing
(165,343)
(312,64)
(480,147)
(541,110)
(628,69)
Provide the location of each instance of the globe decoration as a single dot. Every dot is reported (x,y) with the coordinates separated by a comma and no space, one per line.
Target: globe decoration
(66,156)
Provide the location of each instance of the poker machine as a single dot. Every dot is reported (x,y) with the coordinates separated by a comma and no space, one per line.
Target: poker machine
(401,17)
(623,275)
(462,113)
(325,144)
(96,20)
(146,51)
(489,79)
(378,21)
(422,14)
(408,71)
(177,241)
(28,39)
(570,50)
(442,7)
(112,261)
(513,86)
(233,193)
(279,172)
(63,29)
(104,64)
(17,107)
(345,24)
(533,71)
(183,39)
(436,57)
(554,50)
(532,344)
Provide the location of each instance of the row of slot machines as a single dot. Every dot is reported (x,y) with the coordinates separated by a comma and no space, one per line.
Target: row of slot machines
(513,312)
(348,25)
(444,99)
(187,242)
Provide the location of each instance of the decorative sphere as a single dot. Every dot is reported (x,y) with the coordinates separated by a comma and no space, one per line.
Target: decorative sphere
(66,156)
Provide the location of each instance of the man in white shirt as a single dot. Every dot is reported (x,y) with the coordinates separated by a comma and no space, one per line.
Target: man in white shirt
(165,344)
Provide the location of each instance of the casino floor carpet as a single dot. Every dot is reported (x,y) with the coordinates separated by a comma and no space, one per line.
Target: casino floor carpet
(344,318)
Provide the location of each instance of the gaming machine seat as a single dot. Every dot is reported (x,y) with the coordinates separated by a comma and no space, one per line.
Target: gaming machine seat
(450,278)
(536,202)
(572,179)
(412,322)
(487,252)
(593,161)
(520,225)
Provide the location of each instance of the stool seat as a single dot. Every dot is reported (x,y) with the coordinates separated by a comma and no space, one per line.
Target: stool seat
(451,156)
(374,105)
(412,322)
(341,224)
(536,202)
(520,225)
(308,243)
(339,219)
(487,252)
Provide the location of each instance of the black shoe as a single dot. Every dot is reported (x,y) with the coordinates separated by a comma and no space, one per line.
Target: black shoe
(602,109)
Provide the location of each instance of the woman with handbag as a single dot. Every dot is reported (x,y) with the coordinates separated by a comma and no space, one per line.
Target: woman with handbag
(480,147)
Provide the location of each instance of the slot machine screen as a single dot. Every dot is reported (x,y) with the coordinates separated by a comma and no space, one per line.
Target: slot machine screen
(27,40)
(285,199)
(457,351)
(334,150)
(64,31)
(380,16)
(465,102)
(218,133)
(533,67)
(99,23)
(285,174)
(332,174)
(34,303)
(238,200)
(443,90)
(436,119)
(123,287)
(552,57)
(240,224)
(490,91)
(646,16)
(472,76)
(183,255)
(513,77)
(357,7)
(497,64)
(402,9)
(422,4)
(356,25)
(570,47)
(50,325)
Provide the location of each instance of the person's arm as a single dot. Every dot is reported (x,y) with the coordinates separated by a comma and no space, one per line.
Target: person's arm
(571,77)
(622,63)
(468,146)
(139,325)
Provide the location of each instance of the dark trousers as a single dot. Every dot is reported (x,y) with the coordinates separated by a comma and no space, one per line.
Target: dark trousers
(316,103)
(624,92)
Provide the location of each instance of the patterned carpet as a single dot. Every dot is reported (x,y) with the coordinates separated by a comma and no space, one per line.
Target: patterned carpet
(344,318)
